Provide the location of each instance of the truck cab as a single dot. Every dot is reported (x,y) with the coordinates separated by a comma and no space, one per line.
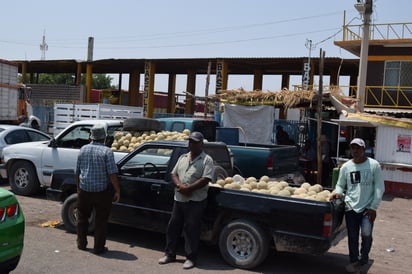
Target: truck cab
(25,110)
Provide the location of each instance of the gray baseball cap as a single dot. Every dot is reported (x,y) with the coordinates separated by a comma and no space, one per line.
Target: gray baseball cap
(196,136)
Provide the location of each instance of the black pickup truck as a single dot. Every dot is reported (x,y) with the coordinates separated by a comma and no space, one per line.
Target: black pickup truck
(244,225)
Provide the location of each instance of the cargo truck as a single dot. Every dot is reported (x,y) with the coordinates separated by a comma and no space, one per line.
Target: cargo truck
(14,98)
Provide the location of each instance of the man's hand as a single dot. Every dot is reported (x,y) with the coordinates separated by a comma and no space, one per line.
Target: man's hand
(184,189)
(371,214)
(334,195)
(116,197)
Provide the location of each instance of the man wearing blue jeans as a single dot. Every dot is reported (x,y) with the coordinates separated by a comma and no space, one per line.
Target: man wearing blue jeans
(360,182)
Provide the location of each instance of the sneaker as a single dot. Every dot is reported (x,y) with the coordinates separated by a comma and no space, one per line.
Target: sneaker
(188,264)
(353,267)
(166,259)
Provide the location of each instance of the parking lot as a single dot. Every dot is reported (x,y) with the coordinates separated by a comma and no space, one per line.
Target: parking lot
(51,249)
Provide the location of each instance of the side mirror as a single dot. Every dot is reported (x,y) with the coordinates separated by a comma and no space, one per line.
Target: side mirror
(53,143)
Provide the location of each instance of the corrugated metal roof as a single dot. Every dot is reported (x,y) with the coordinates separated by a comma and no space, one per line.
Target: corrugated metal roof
(387,110)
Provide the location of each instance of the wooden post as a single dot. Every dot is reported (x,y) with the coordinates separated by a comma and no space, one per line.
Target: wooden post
(319,124)
(209,68)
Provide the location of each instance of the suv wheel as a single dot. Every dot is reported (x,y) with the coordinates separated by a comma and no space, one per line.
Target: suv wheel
(23,179)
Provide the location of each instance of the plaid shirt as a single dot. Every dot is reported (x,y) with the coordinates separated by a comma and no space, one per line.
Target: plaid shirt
(94,165)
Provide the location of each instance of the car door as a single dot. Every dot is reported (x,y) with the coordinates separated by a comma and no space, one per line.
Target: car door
(64,154)
(146,190)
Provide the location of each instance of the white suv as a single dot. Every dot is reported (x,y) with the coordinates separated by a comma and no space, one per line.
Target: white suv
(29,166)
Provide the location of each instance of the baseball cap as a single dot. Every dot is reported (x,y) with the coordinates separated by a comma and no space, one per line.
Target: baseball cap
(196,136)
(358,141)
(98,132)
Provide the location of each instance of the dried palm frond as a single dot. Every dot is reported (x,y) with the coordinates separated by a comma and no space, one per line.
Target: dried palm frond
(285,98)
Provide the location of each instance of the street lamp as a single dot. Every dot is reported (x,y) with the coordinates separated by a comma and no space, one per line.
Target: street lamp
(365,10)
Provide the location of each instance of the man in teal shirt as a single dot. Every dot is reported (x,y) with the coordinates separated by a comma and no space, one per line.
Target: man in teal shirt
(360,181)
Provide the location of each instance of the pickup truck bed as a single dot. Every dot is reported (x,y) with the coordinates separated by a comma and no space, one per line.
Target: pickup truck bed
(245,225)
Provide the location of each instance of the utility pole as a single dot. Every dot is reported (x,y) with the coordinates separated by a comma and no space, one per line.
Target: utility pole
(43,46)
(365,9)
(89,70)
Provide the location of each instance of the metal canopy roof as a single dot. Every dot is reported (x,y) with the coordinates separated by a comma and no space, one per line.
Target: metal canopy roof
(266,65)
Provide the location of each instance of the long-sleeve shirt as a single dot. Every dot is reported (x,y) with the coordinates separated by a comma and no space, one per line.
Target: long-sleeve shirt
(362,183)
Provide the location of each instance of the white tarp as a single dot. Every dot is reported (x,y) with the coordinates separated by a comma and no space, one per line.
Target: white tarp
(255,123)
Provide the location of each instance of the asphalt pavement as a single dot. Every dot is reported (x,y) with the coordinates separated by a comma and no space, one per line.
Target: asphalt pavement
(50,249)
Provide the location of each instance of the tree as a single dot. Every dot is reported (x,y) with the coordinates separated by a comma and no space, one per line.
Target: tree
(99,81)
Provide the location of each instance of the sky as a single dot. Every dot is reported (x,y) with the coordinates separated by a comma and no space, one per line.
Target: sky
(183,28)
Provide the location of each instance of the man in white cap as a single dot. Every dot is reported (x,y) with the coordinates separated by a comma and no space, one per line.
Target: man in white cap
(95,170)
(360,182)
(191,176)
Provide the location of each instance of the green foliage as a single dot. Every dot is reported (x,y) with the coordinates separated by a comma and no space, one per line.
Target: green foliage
(56,78)
(99,81)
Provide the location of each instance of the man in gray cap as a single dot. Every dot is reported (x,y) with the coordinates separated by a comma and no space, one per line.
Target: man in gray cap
(95,170)
(361,180)
(191,176)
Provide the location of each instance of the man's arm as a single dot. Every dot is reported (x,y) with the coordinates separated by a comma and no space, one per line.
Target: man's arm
(115,183)
(186,189)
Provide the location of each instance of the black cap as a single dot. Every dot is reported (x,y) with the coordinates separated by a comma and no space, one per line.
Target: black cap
(196,136)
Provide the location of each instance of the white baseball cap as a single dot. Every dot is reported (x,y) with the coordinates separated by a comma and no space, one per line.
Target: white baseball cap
(359,142)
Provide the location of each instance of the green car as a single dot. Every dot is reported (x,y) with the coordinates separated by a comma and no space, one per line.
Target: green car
(11,231)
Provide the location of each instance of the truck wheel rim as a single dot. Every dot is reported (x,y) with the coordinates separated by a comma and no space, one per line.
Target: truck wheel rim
(73,214)
(21,178)
(241,245)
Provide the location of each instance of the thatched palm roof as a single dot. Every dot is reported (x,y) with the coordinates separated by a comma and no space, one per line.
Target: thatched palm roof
(284,98)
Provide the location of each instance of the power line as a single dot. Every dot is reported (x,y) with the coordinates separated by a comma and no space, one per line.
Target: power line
(161,36)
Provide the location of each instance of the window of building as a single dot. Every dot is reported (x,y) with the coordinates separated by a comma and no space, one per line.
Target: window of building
(397,73)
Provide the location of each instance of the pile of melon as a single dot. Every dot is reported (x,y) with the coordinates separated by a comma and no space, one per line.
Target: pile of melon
(127,141)
(267,186)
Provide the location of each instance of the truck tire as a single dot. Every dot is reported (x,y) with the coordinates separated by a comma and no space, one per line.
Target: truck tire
(243,244)
(23,178)
(141,124)
(69,215)
(220,173)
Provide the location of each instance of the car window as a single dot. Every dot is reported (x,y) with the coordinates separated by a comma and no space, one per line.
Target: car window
(37,136)
(76,138)
(178,126)
(16,136)
(149,163)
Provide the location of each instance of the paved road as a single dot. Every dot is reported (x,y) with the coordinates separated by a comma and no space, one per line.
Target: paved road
(53,250)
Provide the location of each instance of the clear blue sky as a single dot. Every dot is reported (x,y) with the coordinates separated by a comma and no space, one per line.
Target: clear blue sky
(182,28)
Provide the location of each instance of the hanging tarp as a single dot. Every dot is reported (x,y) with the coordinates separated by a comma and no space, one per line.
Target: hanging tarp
(255,123)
